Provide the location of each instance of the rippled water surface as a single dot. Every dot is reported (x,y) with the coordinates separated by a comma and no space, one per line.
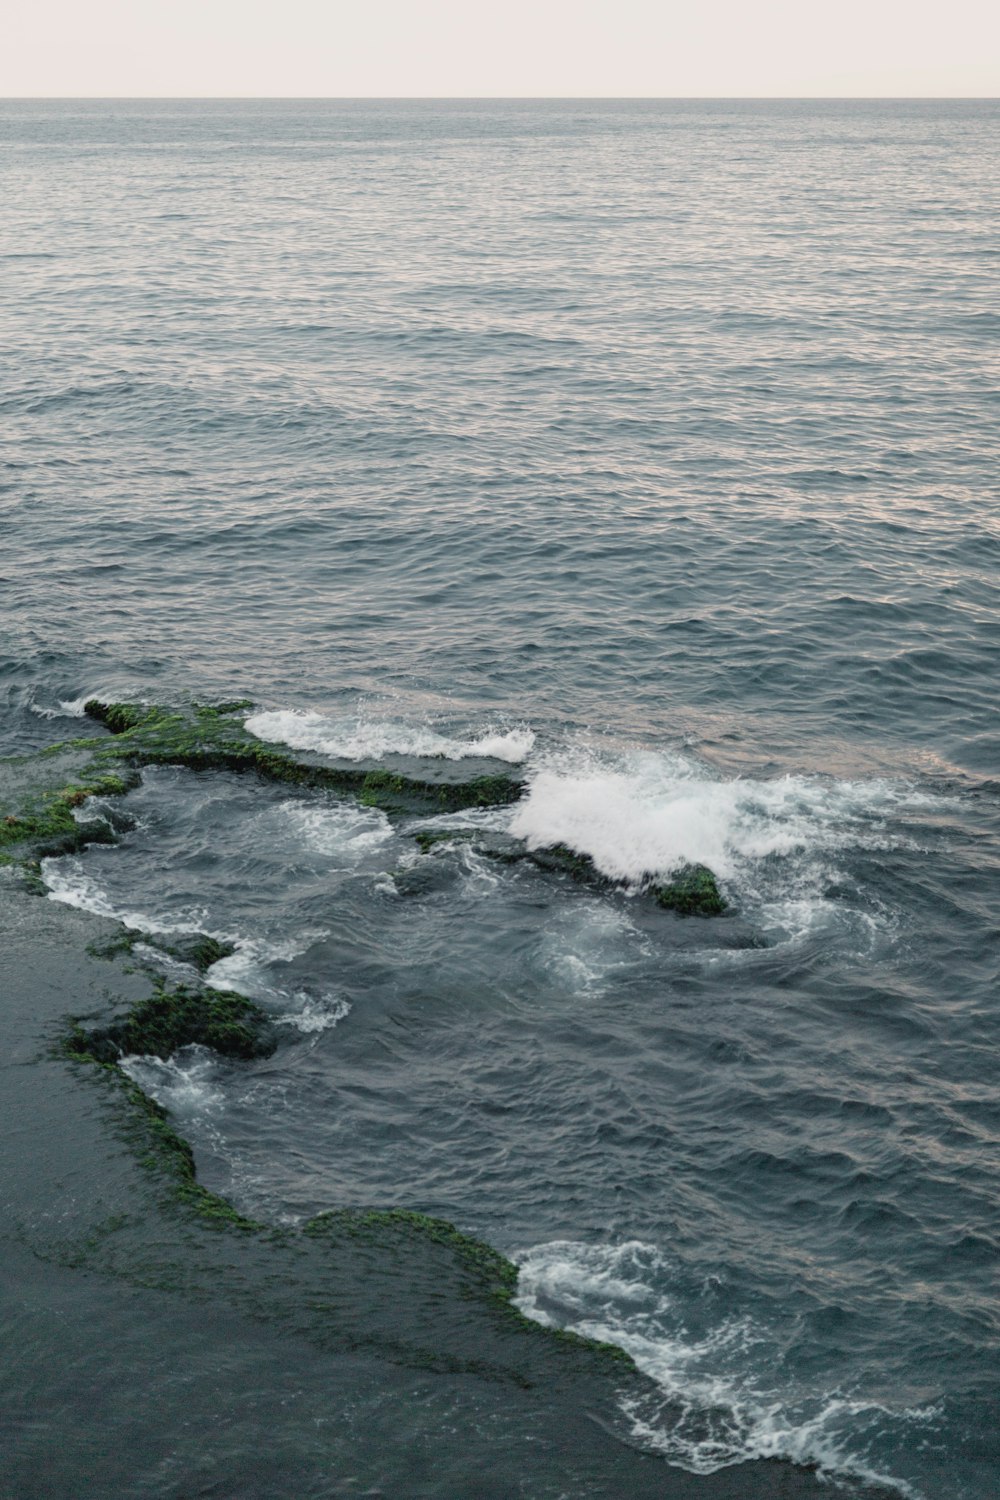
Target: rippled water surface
(650,449)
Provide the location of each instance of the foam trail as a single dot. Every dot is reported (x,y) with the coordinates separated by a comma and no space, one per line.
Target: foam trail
(68,882)
(357,738)
(714,1410)
(244,970)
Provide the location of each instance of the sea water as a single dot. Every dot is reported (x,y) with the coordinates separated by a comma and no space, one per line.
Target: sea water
(649,449)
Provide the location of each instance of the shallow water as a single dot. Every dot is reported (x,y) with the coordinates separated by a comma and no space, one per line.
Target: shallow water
(650,449)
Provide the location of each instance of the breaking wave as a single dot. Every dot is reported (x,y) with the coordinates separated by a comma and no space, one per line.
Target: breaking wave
(720,1401)
(646,813)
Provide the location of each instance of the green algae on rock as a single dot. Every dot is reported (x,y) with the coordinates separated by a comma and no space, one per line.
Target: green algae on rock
(227,1022)
(693,891)
(40,796)
(169,1019)
(205,738)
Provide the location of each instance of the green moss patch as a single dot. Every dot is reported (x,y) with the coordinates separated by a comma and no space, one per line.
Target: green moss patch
(44,823)
(180,1017)
(693,891)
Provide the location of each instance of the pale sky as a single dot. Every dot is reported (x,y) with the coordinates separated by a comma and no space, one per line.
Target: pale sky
(464,48)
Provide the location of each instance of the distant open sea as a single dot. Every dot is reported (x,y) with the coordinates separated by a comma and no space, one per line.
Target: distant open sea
(651,448)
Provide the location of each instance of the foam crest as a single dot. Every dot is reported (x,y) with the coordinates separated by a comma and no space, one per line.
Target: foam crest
(247,972)
(715,1408)
(66,708)
(343,831)
(68,882)
(72,708)
(185,1083)
(358,738)
(648,814)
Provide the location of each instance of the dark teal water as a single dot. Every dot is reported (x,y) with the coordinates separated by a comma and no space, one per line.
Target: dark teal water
(651,447)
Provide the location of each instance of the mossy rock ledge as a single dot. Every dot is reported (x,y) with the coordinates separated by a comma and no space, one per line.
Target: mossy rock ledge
(183,1016)
(212,738)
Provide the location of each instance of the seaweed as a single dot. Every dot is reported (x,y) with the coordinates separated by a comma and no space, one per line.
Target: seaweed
(180,1017)
(166,1155)
(693,891)
(158,1147)
(45,823)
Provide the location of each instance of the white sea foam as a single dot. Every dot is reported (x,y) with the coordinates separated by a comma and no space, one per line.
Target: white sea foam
(586,948)
(342,831)
(184,1083)
(68,882)
(245,970)
(247,966)
(73,707)
(355,737)
(646,814)
(716,1408)
(312,1013)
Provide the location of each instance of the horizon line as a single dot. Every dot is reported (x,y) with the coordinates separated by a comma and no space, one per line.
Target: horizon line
(500,98)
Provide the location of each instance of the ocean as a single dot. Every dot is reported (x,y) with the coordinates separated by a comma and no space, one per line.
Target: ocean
(646,450)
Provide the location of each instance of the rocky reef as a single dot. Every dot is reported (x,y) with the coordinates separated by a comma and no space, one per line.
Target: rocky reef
(53,786)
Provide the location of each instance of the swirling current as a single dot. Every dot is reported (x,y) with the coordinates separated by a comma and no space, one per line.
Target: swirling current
(649,448)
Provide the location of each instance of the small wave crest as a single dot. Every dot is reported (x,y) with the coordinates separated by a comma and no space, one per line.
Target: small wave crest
(67,881)
(185,1083)
(343,831)
(246,970)
(358,738)
(68,708)
(716,1407)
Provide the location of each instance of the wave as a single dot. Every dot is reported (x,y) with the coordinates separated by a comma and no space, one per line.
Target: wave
(245,970)
(68,882)
(357,738)
(647,813)
(66,708)
(715,1406)
(187,1083)
(344,832)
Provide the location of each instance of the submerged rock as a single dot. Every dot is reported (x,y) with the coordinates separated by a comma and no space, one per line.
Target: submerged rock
(40,796)
(198,949)
(692,891)
(180,1017)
